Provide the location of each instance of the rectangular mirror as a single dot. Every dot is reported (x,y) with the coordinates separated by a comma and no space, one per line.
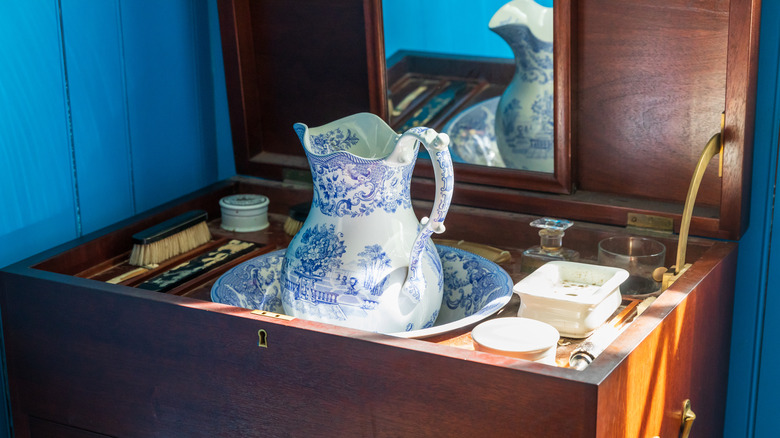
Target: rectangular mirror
(493,75)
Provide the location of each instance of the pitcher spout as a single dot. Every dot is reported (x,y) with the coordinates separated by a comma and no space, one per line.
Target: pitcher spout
(364,135)
(516,14)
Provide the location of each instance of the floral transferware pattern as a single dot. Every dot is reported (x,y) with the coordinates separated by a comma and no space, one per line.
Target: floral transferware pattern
(474,288)
(524,119)
(362,258)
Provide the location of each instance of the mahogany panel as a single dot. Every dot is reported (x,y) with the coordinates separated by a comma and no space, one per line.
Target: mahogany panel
(687,357)
(565,70)
(128,363)
(375,54)
(40,428)
(651,90)
(296,61)
(742,68)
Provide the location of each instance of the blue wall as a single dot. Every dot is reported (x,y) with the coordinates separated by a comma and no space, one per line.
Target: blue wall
(753,383)
(444,26)
(111,107)
(107,108)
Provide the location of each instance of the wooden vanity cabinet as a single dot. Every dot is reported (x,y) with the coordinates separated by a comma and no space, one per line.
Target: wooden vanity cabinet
(122,361)
(87,358)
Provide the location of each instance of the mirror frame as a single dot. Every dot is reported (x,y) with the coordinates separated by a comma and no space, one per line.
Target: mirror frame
(560,180)
(266,147)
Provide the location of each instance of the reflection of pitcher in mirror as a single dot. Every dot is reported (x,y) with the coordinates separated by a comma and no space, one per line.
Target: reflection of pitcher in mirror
(524,118)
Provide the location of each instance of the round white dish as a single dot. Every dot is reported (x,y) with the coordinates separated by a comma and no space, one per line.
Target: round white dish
(523,338)
(474,288)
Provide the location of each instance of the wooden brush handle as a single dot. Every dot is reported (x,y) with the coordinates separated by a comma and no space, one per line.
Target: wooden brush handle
(170,227)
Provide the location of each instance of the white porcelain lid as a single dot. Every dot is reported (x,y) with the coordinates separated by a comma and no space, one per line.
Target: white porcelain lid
(244,201)
(515,335)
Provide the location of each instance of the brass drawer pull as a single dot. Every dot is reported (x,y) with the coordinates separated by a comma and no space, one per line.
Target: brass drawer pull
(687,419)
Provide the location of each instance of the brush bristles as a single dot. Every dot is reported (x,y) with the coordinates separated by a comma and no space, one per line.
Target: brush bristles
(292,226)
(171,246)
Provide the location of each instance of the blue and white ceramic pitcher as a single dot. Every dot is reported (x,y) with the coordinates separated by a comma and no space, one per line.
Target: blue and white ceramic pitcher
(524,118)
(361,258)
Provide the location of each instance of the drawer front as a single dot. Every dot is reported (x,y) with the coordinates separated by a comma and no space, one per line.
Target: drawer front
(40,428)
(140,364)
(685,358)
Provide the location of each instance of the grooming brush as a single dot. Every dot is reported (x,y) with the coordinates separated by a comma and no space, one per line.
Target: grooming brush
(170,238)
(199,265)
(297,216)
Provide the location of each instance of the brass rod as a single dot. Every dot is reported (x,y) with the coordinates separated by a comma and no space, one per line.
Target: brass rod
(712,149)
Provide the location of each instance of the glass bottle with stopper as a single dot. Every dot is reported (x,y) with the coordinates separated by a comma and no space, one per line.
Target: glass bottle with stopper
(551,245)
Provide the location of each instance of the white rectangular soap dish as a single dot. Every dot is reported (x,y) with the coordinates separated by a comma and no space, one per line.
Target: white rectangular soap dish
(575,298)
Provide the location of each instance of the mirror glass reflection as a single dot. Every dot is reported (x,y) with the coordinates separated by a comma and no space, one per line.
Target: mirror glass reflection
(481,71)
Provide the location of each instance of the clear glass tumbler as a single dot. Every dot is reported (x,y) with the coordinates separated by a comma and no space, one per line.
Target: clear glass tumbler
(640,256)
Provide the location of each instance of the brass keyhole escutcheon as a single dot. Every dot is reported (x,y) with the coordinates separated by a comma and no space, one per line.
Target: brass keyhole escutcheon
(262,338)
(687,419)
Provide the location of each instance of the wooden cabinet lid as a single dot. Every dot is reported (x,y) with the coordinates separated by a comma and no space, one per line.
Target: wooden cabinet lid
(645,84)
(295,61)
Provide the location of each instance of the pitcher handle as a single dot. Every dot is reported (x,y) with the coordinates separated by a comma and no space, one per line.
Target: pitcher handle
(437,146)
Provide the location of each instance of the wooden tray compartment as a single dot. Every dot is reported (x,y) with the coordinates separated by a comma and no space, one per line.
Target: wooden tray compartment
(203,351)
(416,78)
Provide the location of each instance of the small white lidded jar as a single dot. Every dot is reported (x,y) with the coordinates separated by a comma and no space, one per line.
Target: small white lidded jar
(244,213)
(523,338)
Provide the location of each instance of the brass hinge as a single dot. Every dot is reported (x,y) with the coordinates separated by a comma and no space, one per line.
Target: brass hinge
(647,222)
(272,315)
(720,144)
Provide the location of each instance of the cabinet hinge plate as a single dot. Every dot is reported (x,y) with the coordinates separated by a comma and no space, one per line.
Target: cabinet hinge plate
(658,224)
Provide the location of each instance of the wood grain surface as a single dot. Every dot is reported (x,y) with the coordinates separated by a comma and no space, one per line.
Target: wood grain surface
(121,361)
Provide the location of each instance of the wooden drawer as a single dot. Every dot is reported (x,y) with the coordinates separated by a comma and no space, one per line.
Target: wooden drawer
(128,362)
